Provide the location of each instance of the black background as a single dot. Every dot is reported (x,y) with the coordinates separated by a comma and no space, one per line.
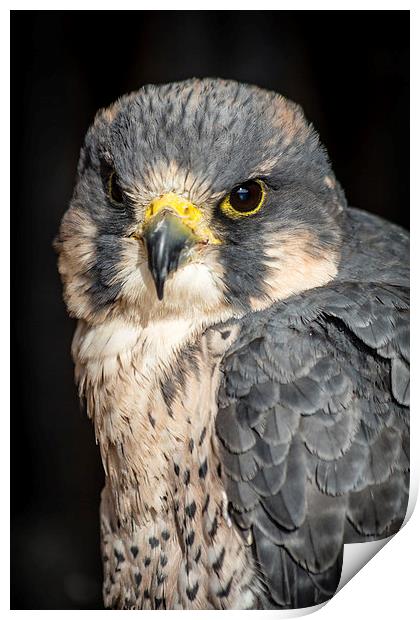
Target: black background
(349,71)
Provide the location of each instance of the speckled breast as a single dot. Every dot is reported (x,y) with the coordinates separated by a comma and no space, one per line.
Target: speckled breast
(167,539)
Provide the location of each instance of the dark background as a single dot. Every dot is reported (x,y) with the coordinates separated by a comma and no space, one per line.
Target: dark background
(349,71)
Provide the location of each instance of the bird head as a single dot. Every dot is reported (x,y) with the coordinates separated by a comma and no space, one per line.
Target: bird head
(197,197)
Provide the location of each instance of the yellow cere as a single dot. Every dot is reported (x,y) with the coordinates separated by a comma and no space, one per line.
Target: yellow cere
(189,213)
(230,211)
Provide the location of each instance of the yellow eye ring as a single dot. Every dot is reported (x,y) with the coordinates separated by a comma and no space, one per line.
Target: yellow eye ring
(244,199)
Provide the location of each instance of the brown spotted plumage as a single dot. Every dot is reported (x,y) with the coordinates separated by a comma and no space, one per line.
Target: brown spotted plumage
(246,371)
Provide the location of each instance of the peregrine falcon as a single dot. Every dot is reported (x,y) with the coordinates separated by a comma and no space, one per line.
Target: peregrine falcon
(242,348)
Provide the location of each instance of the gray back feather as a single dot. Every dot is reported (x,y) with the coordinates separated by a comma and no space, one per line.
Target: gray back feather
(313,421)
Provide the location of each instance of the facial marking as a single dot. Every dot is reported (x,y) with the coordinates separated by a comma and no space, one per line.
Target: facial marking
(294,264)
(216,134)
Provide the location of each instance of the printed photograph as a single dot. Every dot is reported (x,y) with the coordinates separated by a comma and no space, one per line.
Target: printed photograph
(210,302)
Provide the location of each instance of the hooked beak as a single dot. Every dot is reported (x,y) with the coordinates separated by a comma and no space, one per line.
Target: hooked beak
(168,242)
(173,226)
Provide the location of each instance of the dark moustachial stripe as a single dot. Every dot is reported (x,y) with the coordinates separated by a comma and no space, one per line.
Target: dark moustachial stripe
(105,271)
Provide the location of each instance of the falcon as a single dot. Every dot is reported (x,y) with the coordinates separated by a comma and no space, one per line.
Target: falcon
(242,348)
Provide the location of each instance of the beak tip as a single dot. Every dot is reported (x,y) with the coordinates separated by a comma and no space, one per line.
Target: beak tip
(160,285)
(165,239)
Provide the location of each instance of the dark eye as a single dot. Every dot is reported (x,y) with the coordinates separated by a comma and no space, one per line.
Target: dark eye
(114,189)
(244,199)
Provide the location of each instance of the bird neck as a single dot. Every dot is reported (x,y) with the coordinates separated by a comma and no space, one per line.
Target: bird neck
(151,392)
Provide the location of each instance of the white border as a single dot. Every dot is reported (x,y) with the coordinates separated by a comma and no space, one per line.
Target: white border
(387,586)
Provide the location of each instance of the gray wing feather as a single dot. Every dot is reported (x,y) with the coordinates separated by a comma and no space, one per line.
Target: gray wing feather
(314,432)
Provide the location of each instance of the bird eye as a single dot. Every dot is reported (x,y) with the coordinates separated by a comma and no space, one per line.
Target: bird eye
(115,192)
(245,199)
